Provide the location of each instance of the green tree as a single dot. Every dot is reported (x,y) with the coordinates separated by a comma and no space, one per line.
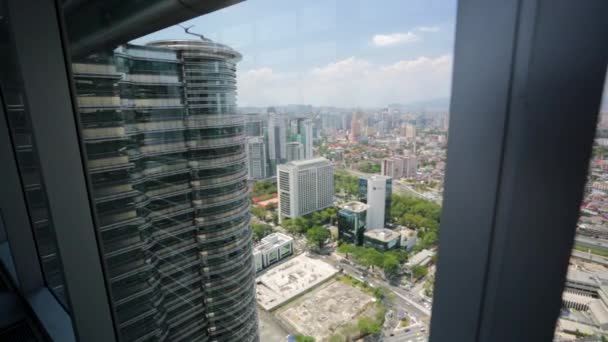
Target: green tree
(368,326)
(260,230)
(346,249)
(419,271)
(370,167)
(317,236)
(302,225)
(303,338)
(390,266)
(264,188)
(275,217)
(258,212)
(343,182)
(429,286)
(372,258)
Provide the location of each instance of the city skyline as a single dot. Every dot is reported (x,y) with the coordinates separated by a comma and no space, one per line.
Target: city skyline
(346,54)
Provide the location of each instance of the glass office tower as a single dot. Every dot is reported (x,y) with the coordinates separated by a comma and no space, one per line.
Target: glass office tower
(166,157)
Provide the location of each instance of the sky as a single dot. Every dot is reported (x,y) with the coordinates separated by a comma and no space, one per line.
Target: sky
(347,53)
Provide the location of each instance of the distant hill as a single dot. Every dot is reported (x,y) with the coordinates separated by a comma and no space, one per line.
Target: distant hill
(438,104)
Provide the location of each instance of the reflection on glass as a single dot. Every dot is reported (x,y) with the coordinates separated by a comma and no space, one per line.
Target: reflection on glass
(166,157)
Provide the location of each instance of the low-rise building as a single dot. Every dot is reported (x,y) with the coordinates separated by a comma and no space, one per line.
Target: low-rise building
(409,237)
(421,258)
(381,239)
(272,249)
(352,222)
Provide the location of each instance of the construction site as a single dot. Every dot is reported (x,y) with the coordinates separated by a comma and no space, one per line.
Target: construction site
(290,279)
(323,311)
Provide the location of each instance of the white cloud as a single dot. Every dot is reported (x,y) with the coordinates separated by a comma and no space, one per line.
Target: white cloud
(395,38)
(349,82)
(428,28)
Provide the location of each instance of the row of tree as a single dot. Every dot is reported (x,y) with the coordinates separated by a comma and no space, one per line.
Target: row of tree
(302,224)
(419,214)
(390,262)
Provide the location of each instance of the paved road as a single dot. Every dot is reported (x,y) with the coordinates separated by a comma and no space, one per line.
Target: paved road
(586,241)
(413,335)
(593,258)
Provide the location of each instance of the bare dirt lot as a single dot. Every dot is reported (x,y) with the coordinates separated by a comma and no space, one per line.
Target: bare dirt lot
(322,311)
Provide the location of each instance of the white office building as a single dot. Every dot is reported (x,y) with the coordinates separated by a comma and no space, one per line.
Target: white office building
(305,186)
(376,191)
(272,249)
(256,158)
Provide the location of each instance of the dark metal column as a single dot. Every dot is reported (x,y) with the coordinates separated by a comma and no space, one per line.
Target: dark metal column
(14,214)
(528,80)
(43,66)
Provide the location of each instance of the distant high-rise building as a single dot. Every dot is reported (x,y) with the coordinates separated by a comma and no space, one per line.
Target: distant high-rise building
(355,127)
(301,130)
(256,158)
(308,138)
(295,151)
(399,167)
(277,139)
(376,192)
(410,131)
(351,222)
(392,167)
(255,125)
(305,186)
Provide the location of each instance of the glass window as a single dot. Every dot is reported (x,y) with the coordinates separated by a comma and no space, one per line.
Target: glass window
(585,296)
(169,122)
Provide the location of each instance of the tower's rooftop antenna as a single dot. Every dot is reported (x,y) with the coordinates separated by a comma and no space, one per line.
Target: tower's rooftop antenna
(187,30)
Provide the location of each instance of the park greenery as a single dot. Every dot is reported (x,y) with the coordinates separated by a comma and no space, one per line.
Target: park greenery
(370,167)
(419,214)
(260,230)
(264,188)
(343,182)
(390,261)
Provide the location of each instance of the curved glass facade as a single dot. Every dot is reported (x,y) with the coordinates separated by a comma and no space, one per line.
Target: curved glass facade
(167,164)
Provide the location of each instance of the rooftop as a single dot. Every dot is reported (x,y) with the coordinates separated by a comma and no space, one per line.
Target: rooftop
(421,258)
(374,177)
(290,279)
(315,162)
(272,241)
(355,206)
(382,234)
